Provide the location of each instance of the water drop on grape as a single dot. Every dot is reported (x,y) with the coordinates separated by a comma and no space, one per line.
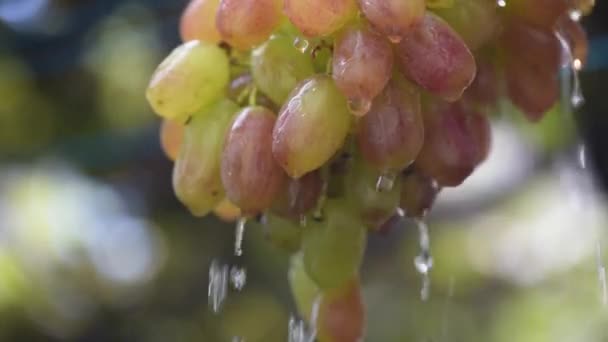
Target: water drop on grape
(386,182)
(359,107)
(394,39)
(301,44)
(501,3)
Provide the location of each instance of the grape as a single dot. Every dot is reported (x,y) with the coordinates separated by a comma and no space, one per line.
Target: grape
(584,6)
(435,57)
(394,18)
(198,21)
(171,136)
(390,136)
(196,174)
(333,248)
(418,193)
(247,23)
(300,196)
(282,233)
(360,189)
(304,290)
(193,76)
(227,211)
(311,127)
(476,21)
(439,3)
(240,88)
(575,35)
(534,91)
(541,13)
(342,314)
(362,66)
(277,67)
(457,139)
(484,89)
(315,18)
(250,175)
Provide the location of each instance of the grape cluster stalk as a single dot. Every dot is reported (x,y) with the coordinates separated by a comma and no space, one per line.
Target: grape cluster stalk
(329,117)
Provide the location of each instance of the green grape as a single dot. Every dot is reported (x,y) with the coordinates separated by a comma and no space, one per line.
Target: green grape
(277,67)
(361,190)
(303,289)
(475,20)
(333,248)
(193,76)
(283,233)
(342,314)
(196,174)
(311,127)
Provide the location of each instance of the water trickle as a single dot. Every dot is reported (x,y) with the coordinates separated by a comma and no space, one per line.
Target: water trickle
(424,260)
(359,107)
(299,331)
(238,277)
(386,182)
(601,273)
(573,67)
(301,44)
(218,285)
(238,238)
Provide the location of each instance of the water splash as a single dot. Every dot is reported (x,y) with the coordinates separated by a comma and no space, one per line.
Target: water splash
(359,107)
(573,66)
(238,236)
(386,182)
(218,285)
(424,260)
(238,277)
(301,44)
(299,331)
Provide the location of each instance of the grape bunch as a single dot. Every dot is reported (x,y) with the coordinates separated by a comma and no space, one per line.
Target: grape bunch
(325,118)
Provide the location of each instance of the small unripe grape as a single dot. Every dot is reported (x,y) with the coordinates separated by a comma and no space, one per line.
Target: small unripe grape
(250,175)
(193,76)
(362,65)
(435,57)
(246,23)
(418,193)
(391,135)
(198,21)
(227,211)
(277,67)
(196,174)
(476,21)
(315,18)
(394,18)
(342,314)
(171,137)
(311,127)
(333,248)
(300,196)
(457,139)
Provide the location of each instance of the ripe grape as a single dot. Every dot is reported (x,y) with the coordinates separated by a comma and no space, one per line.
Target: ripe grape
(171,137)
(435,57)
(198,21)
(457,139)
(193,76)
(390,136)
(282,233)
(227,211)
(277,67)
(394,18)
(484,89)
(362,65)
(541,13)
(342,314)
(250,175)
(333,248)
(532,90)
(304,290)
(418,193)
(311,127)
(361,191)
(196,174)
(246,23)
(316,18)
(476,21)
(300,196)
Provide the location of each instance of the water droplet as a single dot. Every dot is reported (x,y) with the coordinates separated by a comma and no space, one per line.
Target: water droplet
(394,39)
(238,277)
(575,14)
(501,3)
(301,44)
(386,182)
(359,107)
(238,239)
(424,261)
(218,285)
(400,212)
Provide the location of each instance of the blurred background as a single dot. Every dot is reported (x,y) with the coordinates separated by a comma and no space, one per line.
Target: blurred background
(95,247)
